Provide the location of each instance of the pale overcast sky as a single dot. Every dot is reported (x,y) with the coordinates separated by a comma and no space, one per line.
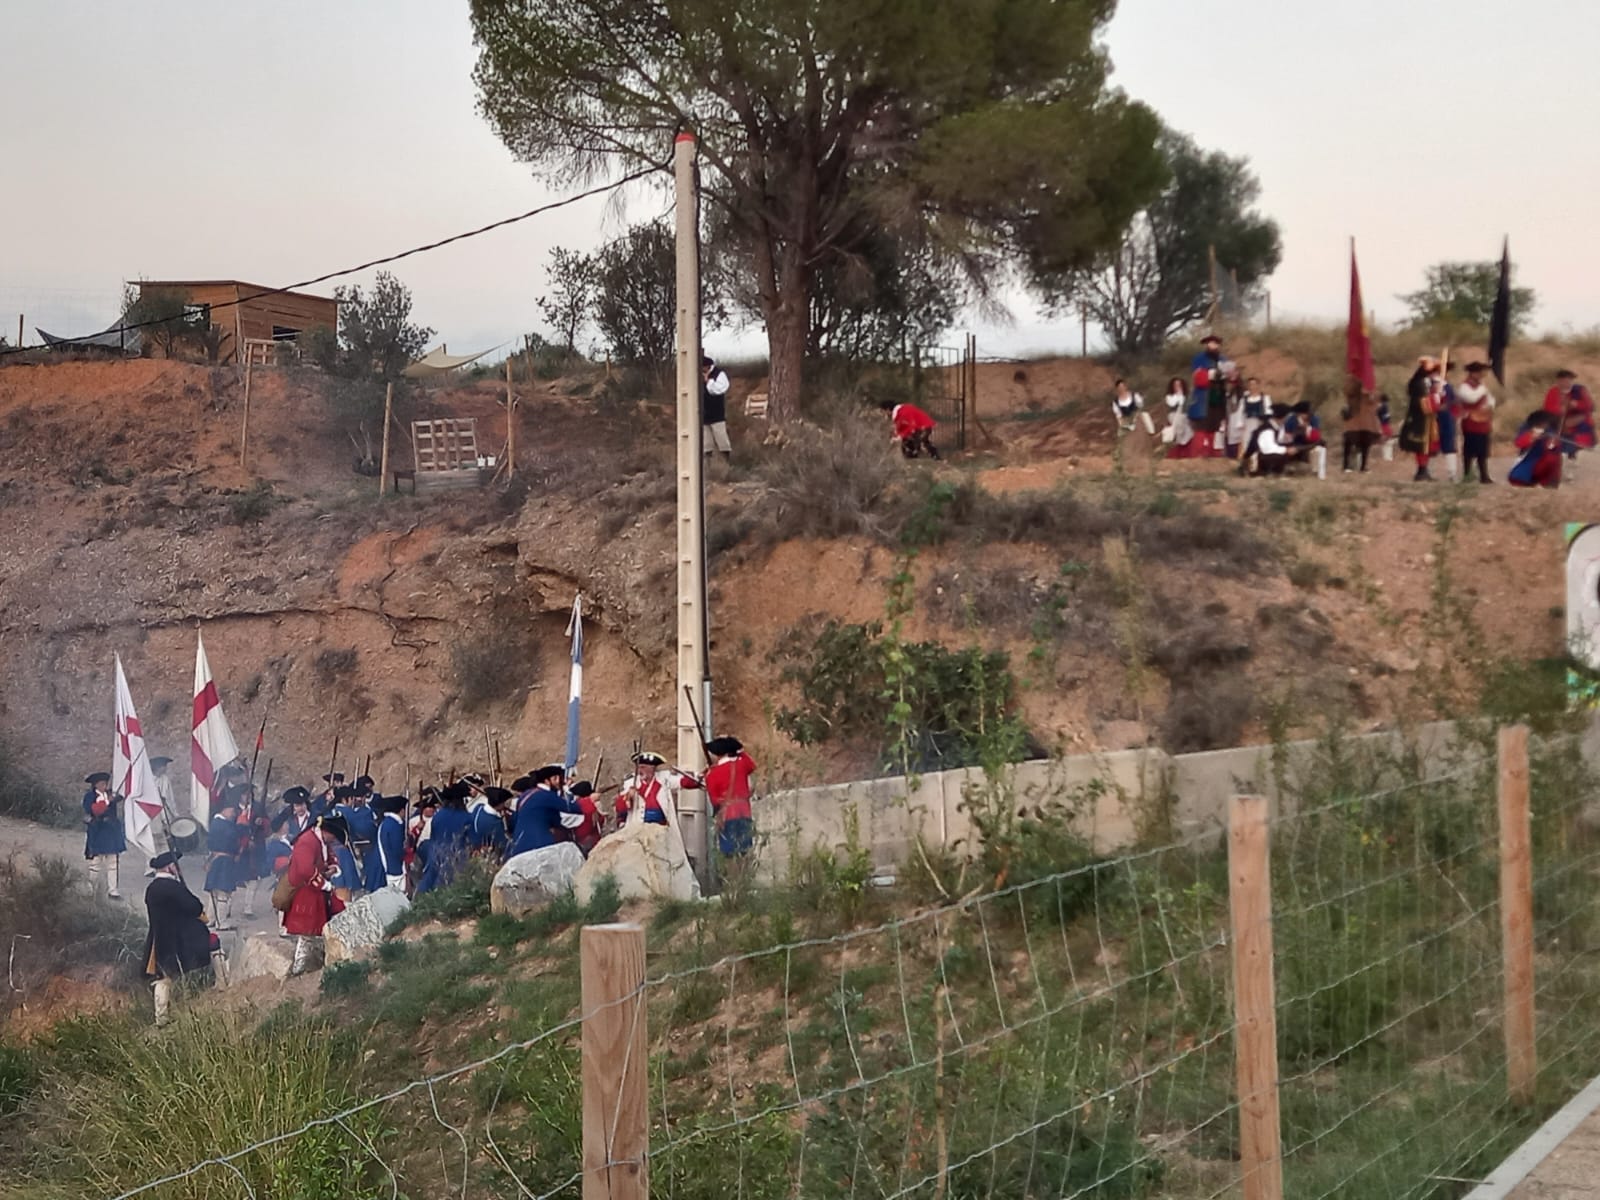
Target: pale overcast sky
(175,139)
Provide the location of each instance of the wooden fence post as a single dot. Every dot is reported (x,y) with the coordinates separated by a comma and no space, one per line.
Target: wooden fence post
(244,431)
(383,458)
(1255,1038)
(1516,913)
(511,424)
(616,1125)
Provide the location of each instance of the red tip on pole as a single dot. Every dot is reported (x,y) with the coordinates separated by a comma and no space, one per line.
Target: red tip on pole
(684,137)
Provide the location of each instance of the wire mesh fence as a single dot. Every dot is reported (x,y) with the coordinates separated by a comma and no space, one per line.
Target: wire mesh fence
(1071,1034)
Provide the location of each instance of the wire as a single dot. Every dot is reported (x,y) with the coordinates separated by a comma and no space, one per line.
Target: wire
(632,177)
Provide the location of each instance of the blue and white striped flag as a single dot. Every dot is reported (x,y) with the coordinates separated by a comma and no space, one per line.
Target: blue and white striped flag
(575,690)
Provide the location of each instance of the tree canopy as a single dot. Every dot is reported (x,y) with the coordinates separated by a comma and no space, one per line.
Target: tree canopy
(1465,291)
(982,129)
(1158,279)
(377,338)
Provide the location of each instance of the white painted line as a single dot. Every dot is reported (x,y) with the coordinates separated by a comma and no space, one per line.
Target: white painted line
(1527,1157)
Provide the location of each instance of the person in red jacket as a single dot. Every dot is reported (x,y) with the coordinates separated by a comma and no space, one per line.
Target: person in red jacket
(913,429)
(728,789)
(1572,406)
(312,867)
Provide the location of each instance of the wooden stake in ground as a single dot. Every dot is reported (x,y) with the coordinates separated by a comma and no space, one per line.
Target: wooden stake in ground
(1516,913)
(244,431)
(616,1119)
(383,458)
(511,424)
(19,329)
(1255,1038)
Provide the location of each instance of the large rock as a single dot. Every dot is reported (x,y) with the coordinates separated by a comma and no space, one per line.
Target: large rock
(647,861)
(359,928)
(533,879)
(261,954)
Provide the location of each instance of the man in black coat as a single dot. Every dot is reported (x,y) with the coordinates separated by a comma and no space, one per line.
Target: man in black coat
(179,941)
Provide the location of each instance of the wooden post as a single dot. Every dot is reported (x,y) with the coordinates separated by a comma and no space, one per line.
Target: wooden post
(1269,312)
(1083,328)
(511,424)
(383,457)
(1255,1038)
(244,431)
(616,1064)
(1516,913)
(19,329)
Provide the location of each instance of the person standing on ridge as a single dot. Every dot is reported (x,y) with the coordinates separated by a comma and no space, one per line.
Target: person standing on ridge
(1477,420)
(179,942)
(714,385)
(104,840)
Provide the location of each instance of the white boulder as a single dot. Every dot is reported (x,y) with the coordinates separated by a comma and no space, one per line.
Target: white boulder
(261,954)
(647,861)
(531,880)
(359,929)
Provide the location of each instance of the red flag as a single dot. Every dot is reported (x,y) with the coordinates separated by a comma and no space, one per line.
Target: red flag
(1357,339)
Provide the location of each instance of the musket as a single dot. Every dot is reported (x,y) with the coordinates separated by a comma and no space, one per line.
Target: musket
(366,769)
(332,759)
(688,694)
(255,758)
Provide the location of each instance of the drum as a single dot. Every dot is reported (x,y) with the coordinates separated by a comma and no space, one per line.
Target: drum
(184,835)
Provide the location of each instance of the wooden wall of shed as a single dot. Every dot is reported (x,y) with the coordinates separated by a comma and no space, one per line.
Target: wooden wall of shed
(258,317)
(212,294)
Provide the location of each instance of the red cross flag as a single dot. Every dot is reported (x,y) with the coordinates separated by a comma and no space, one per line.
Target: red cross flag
(211,745)
(131,774)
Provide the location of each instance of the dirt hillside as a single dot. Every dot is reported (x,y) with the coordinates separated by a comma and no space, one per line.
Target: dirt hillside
(419,627)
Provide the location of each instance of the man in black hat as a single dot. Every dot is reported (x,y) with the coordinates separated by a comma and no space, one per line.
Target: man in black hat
(385,865)
(728,789)
(104,840)
(714,408)
(312,868)
(487,834)
(538,821)
(178,943)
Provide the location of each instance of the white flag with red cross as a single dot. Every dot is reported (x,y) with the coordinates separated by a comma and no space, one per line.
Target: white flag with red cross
(211,746)
(131,775)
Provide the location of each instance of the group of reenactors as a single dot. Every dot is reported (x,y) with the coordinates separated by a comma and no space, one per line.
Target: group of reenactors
(317,850)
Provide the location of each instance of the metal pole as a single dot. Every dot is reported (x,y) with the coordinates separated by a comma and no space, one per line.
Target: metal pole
(691,501)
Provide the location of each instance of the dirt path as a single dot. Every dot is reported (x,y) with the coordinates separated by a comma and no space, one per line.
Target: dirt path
(25,839)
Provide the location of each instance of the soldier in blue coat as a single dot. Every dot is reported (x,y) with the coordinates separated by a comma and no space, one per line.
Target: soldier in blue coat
(104,840)
(488,833)
(447,839)
(224,837)
(386,861)
(539,814)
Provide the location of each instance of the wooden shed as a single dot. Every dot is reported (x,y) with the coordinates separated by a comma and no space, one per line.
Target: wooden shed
(243,315)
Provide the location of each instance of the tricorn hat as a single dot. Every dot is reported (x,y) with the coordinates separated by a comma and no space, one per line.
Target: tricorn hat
(1476,368)
(647,758)
(335,777)
(297,795)
(166,858)
(473,778)
(522,783)
(583,788)
(498,797)
(724,745)
(550,771)
(335,826)
(98,777)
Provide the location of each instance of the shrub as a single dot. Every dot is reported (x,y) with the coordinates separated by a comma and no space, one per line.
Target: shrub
(954,702)
(24,796)
(253,504)
(1207,713)
(333,667)
(835,483)
(19,1075)
(345,978)
(496,660)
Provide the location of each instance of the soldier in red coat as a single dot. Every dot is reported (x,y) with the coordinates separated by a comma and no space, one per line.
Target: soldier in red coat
(312,867)
(1571,405)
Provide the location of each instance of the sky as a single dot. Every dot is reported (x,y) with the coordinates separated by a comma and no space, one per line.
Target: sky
(175,139)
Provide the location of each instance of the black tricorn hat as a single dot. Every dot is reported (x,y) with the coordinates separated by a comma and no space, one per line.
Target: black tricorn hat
(335,826)
(724,745)
(98,777)
(498,797)
(647,759)
(388,804)
(335,777)
(553,771)
(583,788)
(474,779)
(297,795)
(165,859)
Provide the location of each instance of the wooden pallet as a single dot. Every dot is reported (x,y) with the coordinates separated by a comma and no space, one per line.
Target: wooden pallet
(444,481)
(449,444)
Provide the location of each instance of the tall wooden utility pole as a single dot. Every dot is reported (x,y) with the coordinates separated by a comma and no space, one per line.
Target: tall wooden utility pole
(691,509)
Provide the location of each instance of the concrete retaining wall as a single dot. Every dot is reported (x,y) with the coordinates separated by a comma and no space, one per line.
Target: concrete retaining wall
(1116,792)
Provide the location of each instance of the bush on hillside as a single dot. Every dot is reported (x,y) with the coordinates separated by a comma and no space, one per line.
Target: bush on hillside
(24,796)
